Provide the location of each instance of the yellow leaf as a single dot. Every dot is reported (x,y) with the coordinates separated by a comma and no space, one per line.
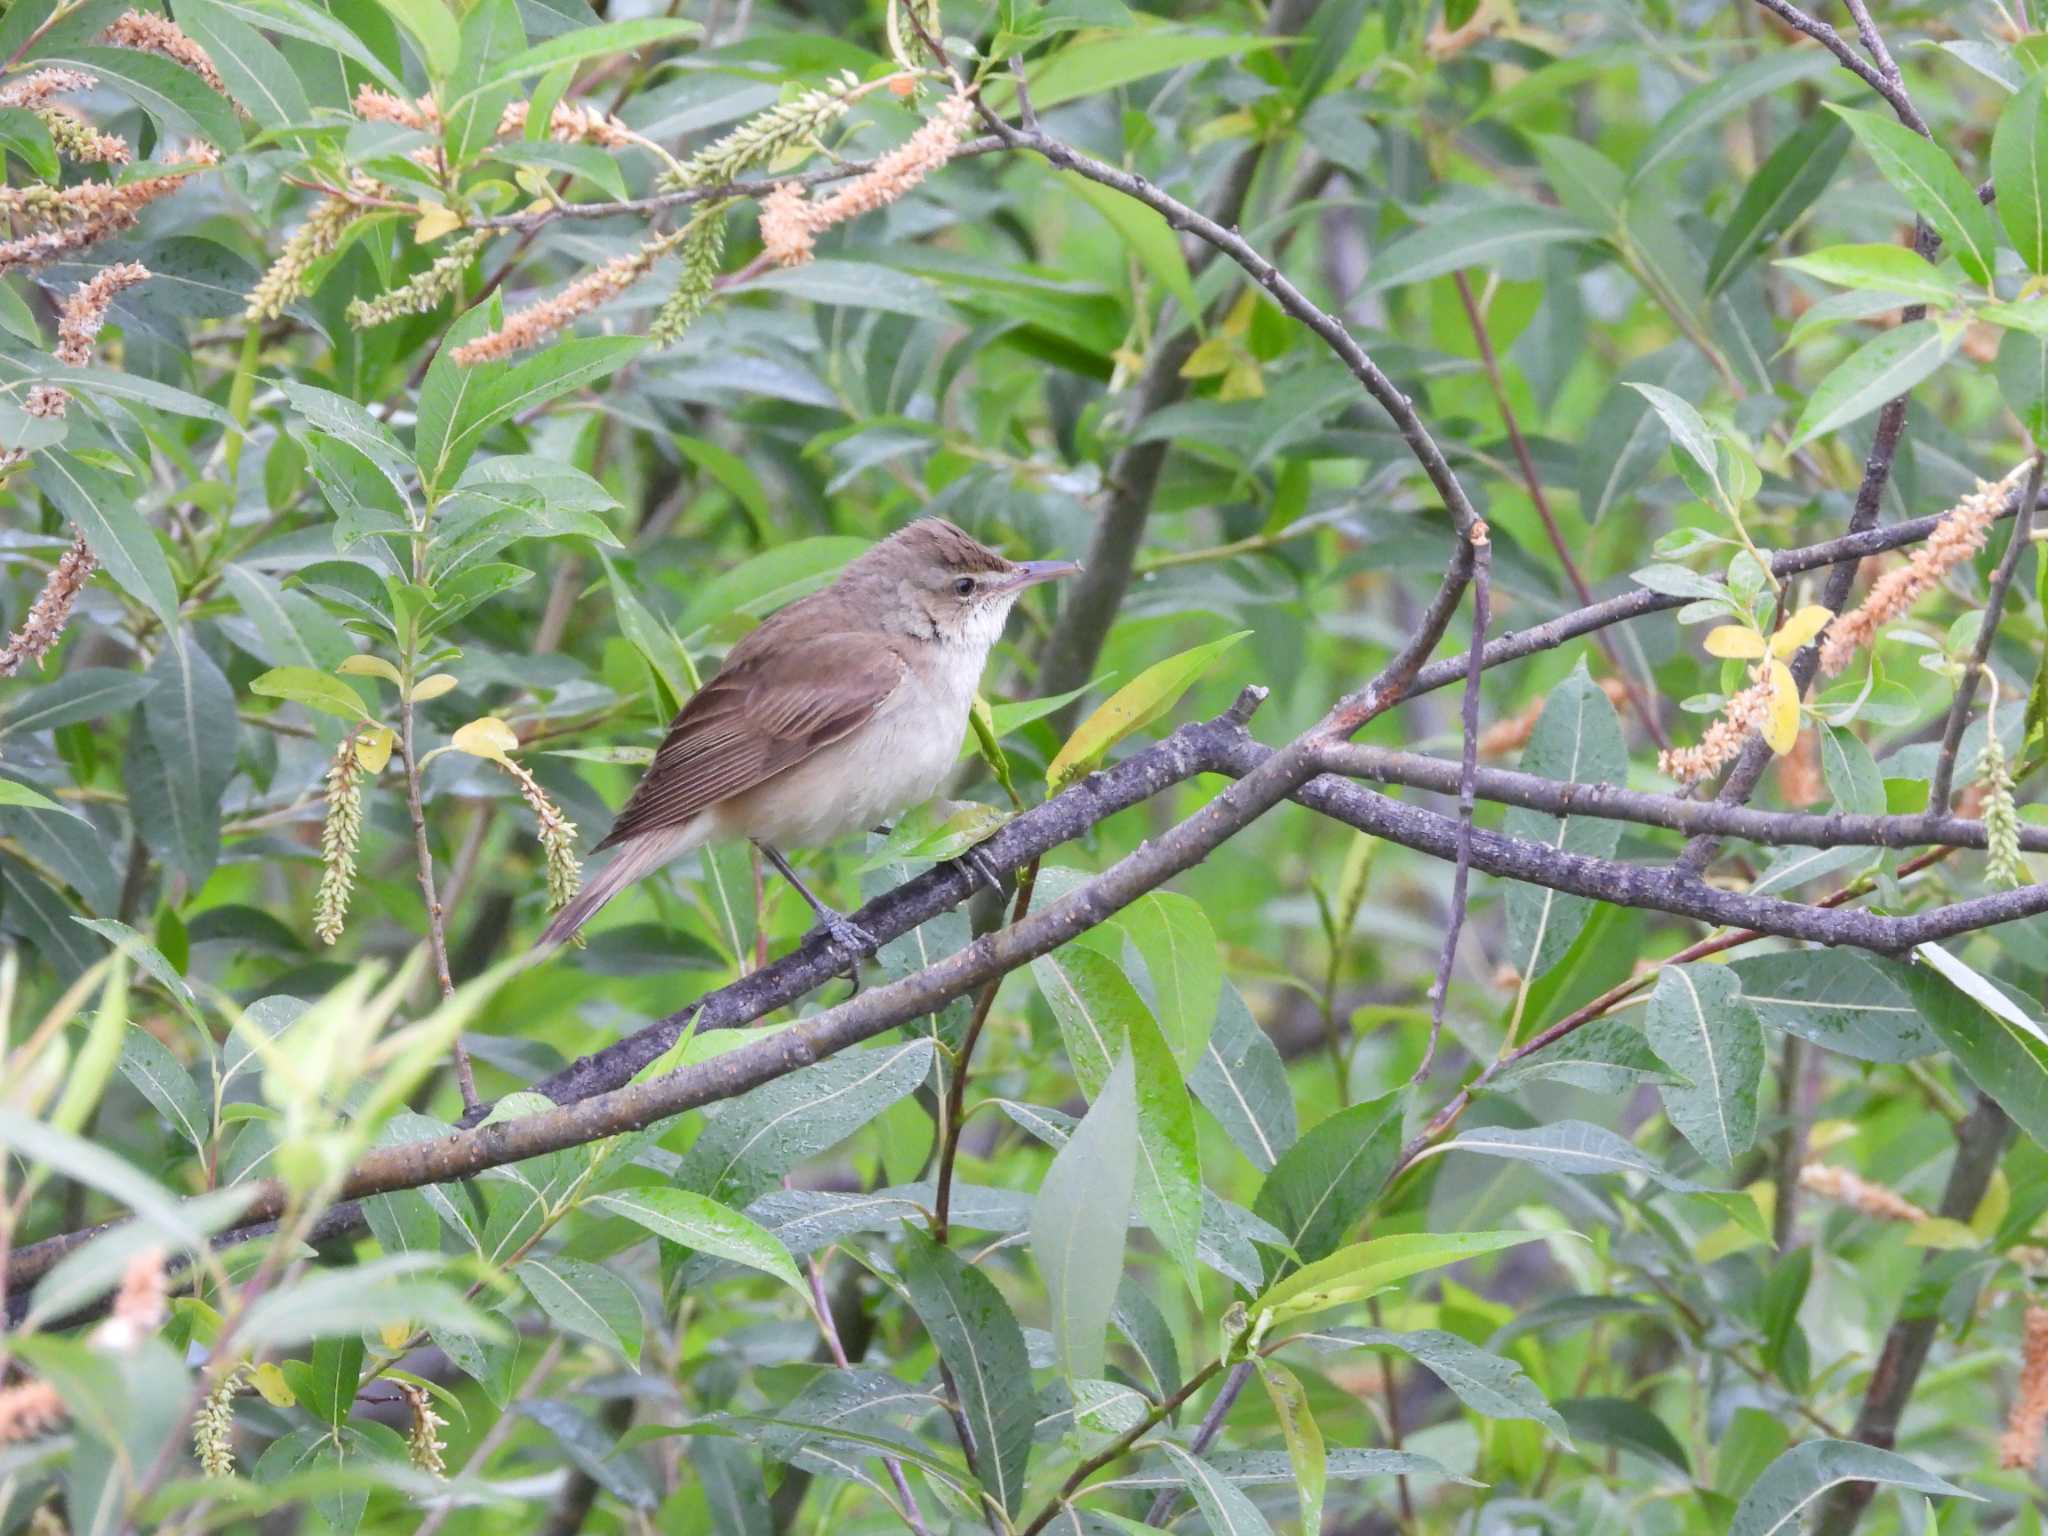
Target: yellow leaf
(1800,628)
(489,737)
(269,1380)
(433,687)
(373,748)
(1734,640)
(1940,1232)
(1239,320)
(1781,730)
(435,221)
(394,1337)
(1210,358)
(1131,708)
(366,665)
(1243,382)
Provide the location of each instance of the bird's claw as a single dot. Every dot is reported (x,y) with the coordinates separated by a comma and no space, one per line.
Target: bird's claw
(849,937)
(982,868)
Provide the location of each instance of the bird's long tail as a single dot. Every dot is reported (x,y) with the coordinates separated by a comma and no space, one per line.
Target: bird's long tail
(638,857)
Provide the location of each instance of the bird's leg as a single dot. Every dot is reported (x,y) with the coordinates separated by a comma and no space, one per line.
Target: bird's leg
(844,933)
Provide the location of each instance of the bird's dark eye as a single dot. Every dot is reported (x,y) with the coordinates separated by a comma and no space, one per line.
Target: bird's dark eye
(964,586)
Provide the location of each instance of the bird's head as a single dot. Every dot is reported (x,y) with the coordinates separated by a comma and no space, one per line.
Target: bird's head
(932,581)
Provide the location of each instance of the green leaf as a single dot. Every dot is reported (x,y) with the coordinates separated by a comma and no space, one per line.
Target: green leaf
(1173,936)
(1792,1482)
(758,586)
(1784,187)
(1226,1510)
(1929,181)
(315,690)
(747,1146)
(738,478)
(15,793)
(1588,184)
(657,645)
(1577,739)
(1477,237)
(1689,431)
(702,1225)
(1326,1182)
(1851,773)
(2023,379)
(1999,1045)
(1241,1080)
(434,32)
(1079,1219)
(180,764)
(1367,1268)
(1881,269)
(1131,708)
(1882,368)
(593,42)
(1147,234)
(1101,1018)
(1095,62)
(1304,1439)
(1491,1385)
(256,73)
(982,1346)
(84,693)
(596,1452)
(1699,1024)
(1627,1425)
(178,99)
(1839,999)
(491,32)
(587,1299)
(2019,171)
(1568,1146)
(458,404)
(1726,93)
(101,508)
(372,1295)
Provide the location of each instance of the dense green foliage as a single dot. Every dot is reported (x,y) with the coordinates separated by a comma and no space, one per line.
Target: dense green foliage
(354,567)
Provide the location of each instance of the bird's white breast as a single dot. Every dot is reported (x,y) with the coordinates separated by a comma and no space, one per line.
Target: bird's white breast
(896,760)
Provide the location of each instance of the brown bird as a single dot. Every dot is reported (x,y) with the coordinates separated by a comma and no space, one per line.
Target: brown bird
(840,711)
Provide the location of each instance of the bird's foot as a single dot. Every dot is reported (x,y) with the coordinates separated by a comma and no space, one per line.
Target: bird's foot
(851,940)
(983,869)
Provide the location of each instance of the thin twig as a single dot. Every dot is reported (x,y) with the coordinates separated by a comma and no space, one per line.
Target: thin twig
(1468,771)
(1839,46)
(1943,779)
(1205,1433)
(1644,706)
(437,936)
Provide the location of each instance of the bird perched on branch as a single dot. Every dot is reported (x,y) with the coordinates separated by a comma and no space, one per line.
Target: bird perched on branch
(840,711)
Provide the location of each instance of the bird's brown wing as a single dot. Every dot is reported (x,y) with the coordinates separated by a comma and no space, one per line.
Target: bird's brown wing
(757,718)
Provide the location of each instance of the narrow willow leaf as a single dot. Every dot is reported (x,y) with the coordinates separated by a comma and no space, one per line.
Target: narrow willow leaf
(1491,1385)
(1364,1269)
(1792,1482)
(1577,739)
(1131,708)
(1699,1024)
(1568,1146)
(1326,1182)
(1224,1506)
(2019,171)
(1304,1439)
(1079,1220)
(1927,178)
(586,1299)
(1840,999)
(1174,938)
(754,1139)
(1883,367)
(1784,187)
(702,1225)
(1726,93)
(1999,1045)
(1478,237)
(102,509)
(1241,1080)
(596,1452)
(979,1340)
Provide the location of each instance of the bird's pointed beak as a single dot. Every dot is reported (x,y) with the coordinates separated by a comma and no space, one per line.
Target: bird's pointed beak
(1030,573)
